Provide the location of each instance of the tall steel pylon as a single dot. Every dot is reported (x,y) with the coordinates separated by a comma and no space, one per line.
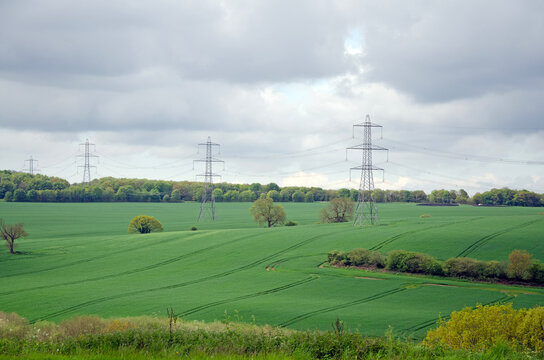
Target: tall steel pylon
(31,167)
(208,200)
(366,211)
(87,166)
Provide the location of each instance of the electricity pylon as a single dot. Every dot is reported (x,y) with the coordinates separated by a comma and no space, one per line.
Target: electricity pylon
(208,200)
(31,168)
(366,211)
(87,166)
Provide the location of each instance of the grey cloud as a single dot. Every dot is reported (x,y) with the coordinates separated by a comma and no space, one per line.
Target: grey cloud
(240,42)
(450,50)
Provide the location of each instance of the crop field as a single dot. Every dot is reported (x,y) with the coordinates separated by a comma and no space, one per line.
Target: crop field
(79,259)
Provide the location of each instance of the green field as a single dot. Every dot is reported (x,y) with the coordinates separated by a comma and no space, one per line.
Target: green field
(78,259)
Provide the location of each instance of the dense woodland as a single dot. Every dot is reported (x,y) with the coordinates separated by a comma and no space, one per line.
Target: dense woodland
(23,187)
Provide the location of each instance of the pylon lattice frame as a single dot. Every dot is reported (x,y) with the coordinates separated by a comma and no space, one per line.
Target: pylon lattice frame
(208,199)
(87,165)
(31,169)
(366,211)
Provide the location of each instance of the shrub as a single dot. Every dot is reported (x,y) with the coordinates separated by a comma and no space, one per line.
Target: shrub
(291,223)
(407,261)
(519,262)
(494,270)
(337,257)
(144,224)
(530,330)
(475,329)
(377,259)
(193,228)
(82,325)
(359,257)
(463,267)
(537,272)
(486,326)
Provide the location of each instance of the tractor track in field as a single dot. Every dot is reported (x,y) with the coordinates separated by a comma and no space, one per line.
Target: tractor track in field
(182,284)
(130,272)
(398,236)
(340,306)
(484,240)
(249,296)
(90,259)
(425,324)
(272,265)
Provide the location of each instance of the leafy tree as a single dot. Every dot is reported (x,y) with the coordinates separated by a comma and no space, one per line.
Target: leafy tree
(298,196)
(19,195)
(285,195)
(339,210)
(10,233)
(32,195)
(97,194)
(526,198)
(144,224)
(378,195)
(265,212)
(273,186)
(256,187)
(175,196)
(231,195)
(309,197)
(519,262)
(274,195)
(125,193)
(343,193)
(247,195)
(217,194)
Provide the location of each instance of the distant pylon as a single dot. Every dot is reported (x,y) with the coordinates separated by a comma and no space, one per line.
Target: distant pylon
(87,166)
(31,167)
(208,199)
(366,211)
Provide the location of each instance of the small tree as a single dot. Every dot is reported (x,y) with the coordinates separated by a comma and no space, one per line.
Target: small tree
(339,210)
(10,233)
(144,224)
(519,262)
(265,212)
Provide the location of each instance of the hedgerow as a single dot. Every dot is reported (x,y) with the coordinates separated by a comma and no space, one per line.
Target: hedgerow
(520,266)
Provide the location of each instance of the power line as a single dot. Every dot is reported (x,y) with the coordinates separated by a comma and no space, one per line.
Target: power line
(458,156)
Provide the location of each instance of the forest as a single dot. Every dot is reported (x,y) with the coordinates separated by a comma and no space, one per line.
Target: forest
(23,187)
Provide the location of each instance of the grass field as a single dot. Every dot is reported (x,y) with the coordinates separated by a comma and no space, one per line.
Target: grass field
(78,259)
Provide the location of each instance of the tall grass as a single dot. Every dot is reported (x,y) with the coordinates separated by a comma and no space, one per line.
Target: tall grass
(91,337)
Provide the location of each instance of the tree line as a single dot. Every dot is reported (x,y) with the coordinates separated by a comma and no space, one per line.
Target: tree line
(24,187)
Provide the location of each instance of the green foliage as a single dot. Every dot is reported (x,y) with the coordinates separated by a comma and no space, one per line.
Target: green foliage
(486,326)
(265,212)
(291,223)
(339,210)
(519,265)
(194,228)
(407,261)
(144,224)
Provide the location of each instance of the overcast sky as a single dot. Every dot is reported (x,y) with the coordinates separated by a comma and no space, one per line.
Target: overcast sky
(458,87)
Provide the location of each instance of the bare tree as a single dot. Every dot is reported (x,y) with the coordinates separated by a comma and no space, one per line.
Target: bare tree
(10,233)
